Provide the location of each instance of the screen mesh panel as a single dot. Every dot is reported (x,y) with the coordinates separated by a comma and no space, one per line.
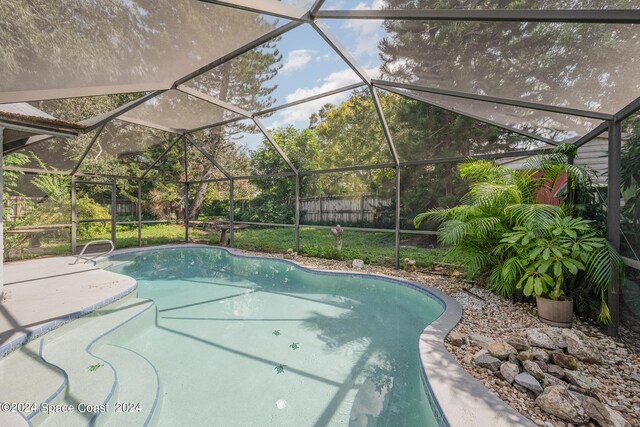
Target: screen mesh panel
(421,131)
(551,63)
(125,149)
(177,110)
(296,65)
(485,4)
(115,47)
(338,131)
(553,126)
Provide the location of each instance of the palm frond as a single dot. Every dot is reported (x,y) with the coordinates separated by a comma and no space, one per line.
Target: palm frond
(485,171)
(494,196)
(478,262)
(483,227)
(534,216)
(452,232)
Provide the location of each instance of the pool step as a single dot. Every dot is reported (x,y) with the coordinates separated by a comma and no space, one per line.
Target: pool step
(31,380)
(137,383)
(91,379)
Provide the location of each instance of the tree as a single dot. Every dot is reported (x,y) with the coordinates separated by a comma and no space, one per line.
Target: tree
(242,82)
(422,131)
(275,198)
(571,64)
(350,134)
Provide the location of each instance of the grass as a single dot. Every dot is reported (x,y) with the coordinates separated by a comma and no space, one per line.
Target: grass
(126,237)
(372,247)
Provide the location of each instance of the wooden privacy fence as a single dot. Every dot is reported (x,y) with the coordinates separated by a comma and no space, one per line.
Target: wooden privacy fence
(342,209)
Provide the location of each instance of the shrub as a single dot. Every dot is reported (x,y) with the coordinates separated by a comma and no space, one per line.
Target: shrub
(500,226)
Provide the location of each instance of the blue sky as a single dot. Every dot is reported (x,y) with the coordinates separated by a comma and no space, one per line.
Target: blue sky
(310,66)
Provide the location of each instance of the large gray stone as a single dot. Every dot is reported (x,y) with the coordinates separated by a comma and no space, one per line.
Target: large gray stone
(457,338)
(534,369)
(525,355)
(556,336)
(580,380)
(514,359)
(542,365)
(480,340)
(580,346)
(518,343)
(549,380)
(527,381)
(480,353)
(565,361)
(555,370)
(509,371)
(501,350)
(604,414)
(559,401)
(540,354)
(487,361)
(538,338)
(357,263)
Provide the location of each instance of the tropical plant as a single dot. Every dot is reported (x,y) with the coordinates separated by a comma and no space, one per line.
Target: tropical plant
(515,242)
(554,254)
(473,229)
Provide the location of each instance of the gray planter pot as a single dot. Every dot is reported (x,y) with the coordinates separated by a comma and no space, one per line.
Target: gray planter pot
(555,313)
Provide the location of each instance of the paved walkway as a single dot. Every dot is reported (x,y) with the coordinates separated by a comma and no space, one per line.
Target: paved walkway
(41,294)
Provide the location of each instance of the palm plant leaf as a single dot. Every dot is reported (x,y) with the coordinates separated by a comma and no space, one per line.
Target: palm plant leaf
(534,216)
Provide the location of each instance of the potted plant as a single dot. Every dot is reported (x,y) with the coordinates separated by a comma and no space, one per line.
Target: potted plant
(550,255)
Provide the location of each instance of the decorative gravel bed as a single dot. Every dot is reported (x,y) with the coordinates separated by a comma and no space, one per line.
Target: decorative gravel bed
(614,384)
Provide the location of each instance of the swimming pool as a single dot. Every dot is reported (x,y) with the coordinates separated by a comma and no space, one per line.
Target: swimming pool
(243,341)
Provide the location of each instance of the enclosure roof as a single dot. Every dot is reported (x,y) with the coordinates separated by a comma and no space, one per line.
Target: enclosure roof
(555,72)
(23,121)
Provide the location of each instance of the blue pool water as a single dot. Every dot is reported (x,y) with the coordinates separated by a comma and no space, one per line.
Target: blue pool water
(243,341)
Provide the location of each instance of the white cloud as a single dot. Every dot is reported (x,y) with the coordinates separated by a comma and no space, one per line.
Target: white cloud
(375,5)
(297,60)
(332,81)
(367,32)
(300,113)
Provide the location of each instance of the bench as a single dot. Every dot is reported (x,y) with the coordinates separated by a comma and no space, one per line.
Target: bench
(33,233)
(221,226)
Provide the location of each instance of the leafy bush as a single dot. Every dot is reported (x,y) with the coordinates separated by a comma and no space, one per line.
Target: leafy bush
(514,242)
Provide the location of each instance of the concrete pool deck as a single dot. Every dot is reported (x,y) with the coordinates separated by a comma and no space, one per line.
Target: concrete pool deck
(41,294)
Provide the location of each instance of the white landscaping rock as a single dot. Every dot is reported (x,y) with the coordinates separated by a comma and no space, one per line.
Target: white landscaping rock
(509,371)
(480,340)
(603,414)
(579,345)
(527,381)
(556,336)
(581,380)
(357,263)
(501,350)
(538,338)
(559,401)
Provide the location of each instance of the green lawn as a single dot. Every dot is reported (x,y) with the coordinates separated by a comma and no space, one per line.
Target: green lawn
(372,247)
